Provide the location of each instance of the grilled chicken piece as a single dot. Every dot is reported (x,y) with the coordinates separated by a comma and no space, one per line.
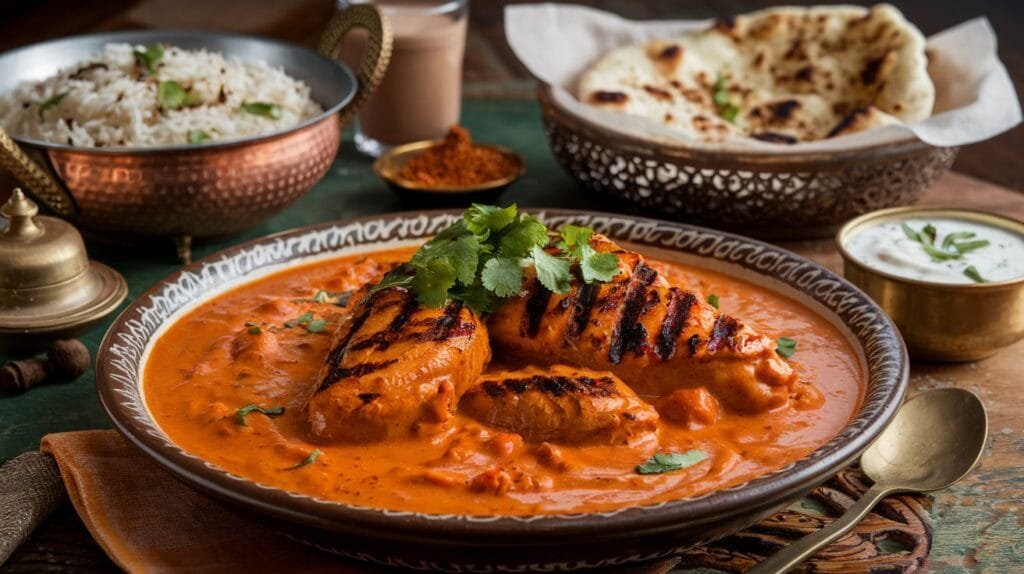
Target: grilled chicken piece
(655,337)
(397,368)
(561,404)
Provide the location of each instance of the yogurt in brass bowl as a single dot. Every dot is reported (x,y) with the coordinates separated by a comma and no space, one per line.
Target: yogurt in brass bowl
(951,279)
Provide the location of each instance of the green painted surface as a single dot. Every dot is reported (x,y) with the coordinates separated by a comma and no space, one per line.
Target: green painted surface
(349,189)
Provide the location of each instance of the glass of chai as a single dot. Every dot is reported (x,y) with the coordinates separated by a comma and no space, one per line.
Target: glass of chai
(420,96)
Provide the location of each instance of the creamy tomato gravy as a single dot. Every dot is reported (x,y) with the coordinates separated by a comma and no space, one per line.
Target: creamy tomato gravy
(207,365)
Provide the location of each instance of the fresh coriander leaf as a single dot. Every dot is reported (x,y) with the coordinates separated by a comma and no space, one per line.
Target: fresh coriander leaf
(461,253)
(971,245)
(481,219)
(721,94)
(196,137)
(253,328)
(552,272)
(321,296)
(241,413)
(503,276)
(52,102)
(713,300)
(726,109)
(930,233)
(303,319)
(171,96)
(519,237)
(972,273)
(956,236)
(670,461)
(729,113)
(265,109)
(599,267)
(316,325)
(149,57)
(785,347)
(433,281)
(938,254)
(477,297)
(910,233)
(575,236)
(308,460)
(399,277)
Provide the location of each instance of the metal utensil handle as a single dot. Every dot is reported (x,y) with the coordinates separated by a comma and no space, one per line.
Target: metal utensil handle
(34,178)
(378,49)
(795,553)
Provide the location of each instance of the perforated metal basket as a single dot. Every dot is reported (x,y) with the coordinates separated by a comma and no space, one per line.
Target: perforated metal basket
(779,196)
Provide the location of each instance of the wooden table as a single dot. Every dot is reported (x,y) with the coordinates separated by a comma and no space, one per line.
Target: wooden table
(976,524)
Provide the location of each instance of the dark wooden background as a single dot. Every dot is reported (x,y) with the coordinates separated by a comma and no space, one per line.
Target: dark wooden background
(491,69)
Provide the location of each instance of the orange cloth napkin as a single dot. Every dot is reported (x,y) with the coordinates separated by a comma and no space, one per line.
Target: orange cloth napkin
(148,521)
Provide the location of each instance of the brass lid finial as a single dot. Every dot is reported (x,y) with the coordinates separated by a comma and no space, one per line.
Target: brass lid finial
(20,212)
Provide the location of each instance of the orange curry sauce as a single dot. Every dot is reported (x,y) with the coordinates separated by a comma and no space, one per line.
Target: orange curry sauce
(208,364)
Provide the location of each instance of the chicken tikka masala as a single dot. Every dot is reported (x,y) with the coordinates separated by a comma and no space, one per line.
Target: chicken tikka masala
(501,369)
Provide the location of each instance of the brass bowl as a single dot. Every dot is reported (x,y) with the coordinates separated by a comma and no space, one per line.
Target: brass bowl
(942,321)
(790,195)
(389,168)
(186,191)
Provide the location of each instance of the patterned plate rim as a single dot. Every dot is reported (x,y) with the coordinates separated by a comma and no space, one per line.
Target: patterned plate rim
(123,346)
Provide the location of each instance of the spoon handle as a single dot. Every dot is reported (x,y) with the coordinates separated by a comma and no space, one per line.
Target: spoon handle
(808,546)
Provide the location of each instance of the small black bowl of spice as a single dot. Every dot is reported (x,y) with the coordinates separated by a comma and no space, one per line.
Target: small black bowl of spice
(450,171)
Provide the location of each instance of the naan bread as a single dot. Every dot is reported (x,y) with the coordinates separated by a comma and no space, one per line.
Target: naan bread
(781,75)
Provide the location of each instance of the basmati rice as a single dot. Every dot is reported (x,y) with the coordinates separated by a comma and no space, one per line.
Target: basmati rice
(111,101)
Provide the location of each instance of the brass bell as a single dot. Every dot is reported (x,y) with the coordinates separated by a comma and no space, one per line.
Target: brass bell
(48,287)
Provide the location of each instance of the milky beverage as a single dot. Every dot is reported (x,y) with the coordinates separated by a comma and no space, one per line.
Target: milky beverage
(420,96)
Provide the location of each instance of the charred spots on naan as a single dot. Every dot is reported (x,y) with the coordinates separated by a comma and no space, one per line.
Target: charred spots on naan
(666,58)
(722,332)
(660,94)
(850,122)
(554,385)
(876,71)
(608,97)
(629,334)
(774,137)
(677,313)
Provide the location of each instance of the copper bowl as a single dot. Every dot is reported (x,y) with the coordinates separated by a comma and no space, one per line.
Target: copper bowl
(186,191)
(476,543)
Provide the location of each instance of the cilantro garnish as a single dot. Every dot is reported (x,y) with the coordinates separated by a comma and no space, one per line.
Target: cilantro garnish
(267,110)
(726,109)
(713,300)
(149,57)
(669,461)
(242,412)
(171,96)
(253,328)
(51,102)
(972,273)
(480,260)
(308,460)
(785,347)
(196,137)
(953,246)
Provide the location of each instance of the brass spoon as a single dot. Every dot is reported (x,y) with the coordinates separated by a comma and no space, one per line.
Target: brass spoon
(934,441)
